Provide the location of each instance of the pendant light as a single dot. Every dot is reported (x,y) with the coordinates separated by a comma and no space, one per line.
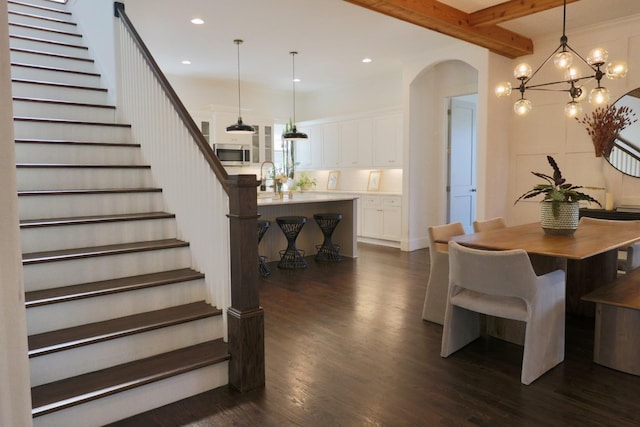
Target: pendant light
(293,134)
(239,128)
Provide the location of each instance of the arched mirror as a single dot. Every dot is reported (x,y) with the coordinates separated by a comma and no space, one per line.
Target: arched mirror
(625,155)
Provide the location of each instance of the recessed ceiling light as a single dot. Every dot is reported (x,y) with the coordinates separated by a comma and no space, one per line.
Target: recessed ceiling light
(197,21)
(366,60)
(186,62)
(297,80)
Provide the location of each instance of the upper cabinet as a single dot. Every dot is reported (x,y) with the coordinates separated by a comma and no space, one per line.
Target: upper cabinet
(387,141)
(371,141)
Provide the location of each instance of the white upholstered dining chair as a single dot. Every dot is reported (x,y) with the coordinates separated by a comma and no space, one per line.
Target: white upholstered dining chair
(435,299)
(629,256)
(503,284)
(489,224)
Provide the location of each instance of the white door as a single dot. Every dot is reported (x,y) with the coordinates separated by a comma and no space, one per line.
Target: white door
(462,162)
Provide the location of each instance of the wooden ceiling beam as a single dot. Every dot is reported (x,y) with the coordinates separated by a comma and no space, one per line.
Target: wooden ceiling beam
(437,16)
(512,9)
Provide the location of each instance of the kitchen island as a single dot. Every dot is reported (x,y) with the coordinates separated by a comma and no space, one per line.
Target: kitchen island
(306,204)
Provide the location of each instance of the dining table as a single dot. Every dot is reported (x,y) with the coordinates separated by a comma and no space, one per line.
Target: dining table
(589,256)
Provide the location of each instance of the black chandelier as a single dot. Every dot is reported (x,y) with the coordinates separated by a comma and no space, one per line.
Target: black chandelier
(563,59)
(293,134)
(239,127)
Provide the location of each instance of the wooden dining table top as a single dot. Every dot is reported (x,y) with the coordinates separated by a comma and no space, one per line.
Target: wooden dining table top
(588,240)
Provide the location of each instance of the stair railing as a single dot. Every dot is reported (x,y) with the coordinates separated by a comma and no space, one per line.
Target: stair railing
(216,213)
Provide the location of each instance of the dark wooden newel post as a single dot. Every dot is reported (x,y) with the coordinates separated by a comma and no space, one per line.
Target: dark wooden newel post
(245,316)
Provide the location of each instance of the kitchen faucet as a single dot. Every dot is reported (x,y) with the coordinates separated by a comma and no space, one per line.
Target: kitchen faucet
(263,181)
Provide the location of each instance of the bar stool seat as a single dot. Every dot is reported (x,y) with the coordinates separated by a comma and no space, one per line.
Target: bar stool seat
(263,226)
(328,251)
(292,257)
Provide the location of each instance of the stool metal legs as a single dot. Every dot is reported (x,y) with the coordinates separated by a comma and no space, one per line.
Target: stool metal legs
(328,251)
(292,257)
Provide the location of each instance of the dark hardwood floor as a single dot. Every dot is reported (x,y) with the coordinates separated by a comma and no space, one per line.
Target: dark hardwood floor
(346,346)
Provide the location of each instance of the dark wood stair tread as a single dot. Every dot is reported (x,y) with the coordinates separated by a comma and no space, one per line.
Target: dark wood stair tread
(78,336)
(62,394)
(71,122)
(35,6)
(49,30)
(55,55)
(72,142)
(108,287)
(43,18)
(77,166)
(74,220)
(60,85)
(47,41)
(88,191)
(94,251)
(61,102)
(54,69)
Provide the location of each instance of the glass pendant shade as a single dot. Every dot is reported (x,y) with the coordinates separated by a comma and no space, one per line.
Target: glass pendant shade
(503,89)
(572,73)
(239,128)
(563,60)
(617,70)
(599,96)
(597,56)
(572,109)
(522,71)
(522,106)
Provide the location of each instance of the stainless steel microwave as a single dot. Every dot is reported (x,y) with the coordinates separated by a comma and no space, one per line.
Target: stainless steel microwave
(233,155)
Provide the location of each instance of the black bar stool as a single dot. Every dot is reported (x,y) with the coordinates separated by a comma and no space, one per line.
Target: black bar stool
(263,226)
(292,257)
(328,251)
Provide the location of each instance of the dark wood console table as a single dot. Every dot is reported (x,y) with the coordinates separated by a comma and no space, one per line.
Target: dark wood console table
(605,214)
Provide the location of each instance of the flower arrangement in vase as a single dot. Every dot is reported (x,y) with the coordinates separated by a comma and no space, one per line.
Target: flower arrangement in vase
(604,125)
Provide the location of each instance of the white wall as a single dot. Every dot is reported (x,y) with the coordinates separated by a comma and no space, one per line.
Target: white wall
(15,397)
(99,35)
(546,131)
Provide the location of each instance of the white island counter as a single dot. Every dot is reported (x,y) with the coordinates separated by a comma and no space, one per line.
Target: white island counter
(307,204)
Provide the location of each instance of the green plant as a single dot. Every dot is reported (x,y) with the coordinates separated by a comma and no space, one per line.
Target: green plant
(305,181)
(557,189)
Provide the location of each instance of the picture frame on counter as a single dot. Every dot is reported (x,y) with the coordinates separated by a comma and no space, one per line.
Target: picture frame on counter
(374,180)
(332,180)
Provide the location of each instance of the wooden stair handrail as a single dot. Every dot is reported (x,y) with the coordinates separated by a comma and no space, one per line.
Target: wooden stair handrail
(202,143)
(245,317)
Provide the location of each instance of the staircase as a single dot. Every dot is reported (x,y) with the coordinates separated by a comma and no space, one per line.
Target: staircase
(116,316)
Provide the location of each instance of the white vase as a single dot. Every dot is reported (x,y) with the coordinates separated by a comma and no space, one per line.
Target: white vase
(565,224)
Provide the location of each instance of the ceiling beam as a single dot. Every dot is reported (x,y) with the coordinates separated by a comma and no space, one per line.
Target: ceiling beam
(511,9)
(437,16)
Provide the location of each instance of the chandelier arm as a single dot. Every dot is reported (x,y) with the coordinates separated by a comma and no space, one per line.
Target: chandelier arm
(543,64)
(582,59)
(535,87)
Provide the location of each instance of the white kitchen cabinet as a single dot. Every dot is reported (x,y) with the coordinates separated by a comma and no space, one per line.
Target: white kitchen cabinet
(387,141)
(356,141)
(309,151)
(262,144)
(381,217)
(330,145)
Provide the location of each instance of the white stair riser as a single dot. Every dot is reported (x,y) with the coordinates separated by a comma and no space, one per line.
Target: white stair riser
(44,3)
(71,131)
(45,23)
(63,111)
(38,239)
(32,179)
(24,8)
(59,206)
(123,405)
(45,75)
(60,93)
(41,46)
(49,275)
(77,153)
(52,61)
(20,30)
(78,361)
(56,316)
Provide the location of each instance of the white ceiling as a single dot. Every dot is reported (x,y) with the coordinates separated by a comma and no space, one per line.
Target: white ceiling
(331,37)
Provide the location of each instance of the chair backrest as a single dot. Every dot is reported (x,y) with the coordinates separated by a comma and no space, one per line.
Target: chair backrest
(505,273)
(489,224)
(444,233)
